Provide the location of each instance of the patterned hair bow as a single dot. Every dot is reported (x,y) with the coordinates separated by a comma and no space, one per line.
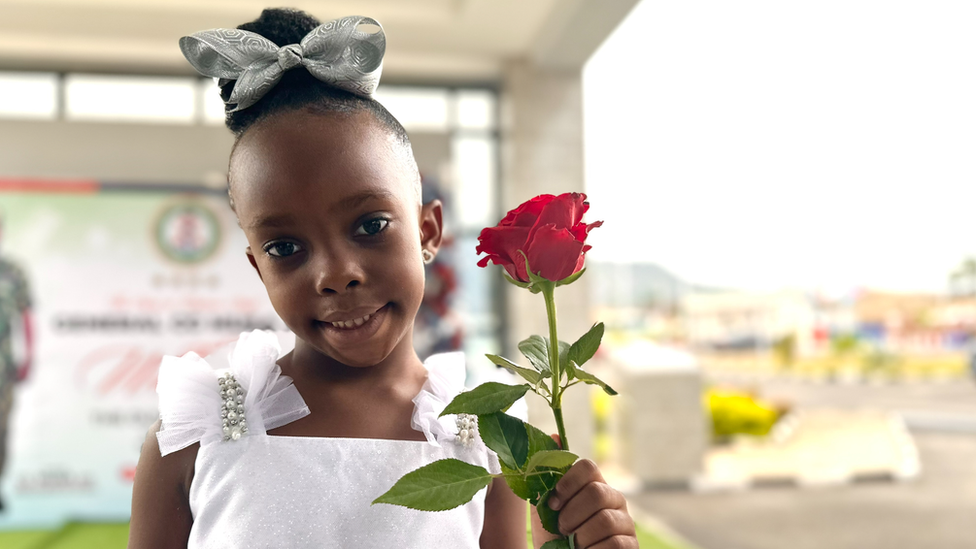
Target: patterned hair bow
(336,53)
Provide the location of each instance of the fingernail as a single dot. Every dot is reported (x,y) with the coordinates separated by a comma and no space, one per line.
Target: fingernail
(554,503)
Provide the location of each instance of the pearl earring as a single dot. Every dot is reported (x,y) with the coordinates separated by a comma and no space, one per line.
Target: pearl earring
(427,255)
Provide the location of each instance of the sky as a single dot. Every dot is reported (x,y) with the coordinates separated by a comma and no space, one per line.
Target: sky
(768,144)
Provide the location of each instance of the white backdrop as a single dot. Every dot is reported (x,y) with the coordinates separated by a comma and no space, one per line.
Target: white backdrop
(119,278)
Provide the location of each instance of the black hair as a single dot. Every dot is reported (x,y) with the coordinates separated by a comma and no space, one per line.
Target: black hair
(298,89)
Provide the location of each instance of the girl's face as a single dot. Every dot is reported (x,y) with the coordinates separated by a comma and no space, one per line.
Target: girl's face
(331,211)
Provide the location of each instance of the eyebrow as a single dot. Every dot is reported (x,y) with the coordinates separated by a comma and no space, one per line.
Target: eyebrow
(354,200)
(350,202)
(270,221)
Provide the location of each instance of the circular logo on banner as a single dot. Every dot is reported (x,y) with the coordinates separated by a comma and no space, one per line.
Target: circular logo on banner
(188,232)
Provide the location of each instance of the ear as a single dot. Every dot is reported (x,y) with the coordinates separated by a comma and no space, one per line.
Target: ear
(431,226)
(253,262)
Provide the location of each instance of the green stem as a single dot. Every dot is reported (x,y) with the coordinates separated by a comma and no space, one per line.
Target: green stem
(558,413)
(548,290)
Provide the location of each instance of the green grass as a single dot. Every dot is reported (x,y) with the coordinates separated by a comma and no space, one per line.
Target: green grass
(23,540)
(78,535)
(75,535)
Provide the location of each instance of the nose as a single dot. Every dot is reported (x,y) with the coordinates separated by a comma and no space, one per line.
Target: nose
(337,271)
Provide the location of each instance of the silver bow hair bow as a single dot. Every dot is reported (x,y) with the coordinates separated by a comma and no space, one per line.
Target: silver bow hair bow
(336,53)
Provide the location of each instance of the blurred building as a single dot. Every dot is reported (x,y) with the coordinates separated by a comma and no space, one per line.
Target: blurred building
(916,323)
(748,320)
(902,323)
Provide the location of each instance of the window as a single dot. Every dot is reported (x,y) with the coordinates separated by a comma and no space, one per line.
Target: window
(130,98)
(29,95)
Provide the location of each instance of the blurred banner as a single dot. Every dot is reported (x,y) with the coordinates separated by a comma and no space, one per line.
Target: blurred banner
(119,275)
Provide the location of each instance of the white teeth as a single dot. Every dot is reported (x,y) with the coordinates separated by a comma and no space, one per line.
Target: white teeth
(346,324)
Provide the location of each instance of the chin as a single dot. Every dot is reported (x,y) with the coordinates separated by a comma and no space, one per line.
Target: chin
(361,355)
(361,362)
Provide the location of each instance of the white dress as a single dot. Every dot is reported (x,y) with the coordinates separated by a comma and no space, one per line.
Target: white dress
(283,491)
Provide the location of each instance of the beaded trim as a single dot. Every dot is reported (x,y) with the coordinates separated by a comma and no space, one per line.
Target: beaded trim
(467,425)
(232,409)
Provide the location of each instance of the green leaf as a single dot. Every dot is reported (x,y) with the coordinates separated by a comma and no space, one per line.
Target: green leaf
(585,347)
(571,370)
(532,376)
(486,398)
(556,459)
(439,486)
(534,279)
(564,358)
(518,283)
(506,436)
(591,379)
(516,481)
(556,544)
(538,440)
(536,349)
(549,517)
(571,278)
(540,481)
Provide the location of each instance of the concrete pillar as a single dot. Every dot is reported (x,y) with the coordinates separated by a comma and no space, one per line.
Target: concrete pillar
(542,152)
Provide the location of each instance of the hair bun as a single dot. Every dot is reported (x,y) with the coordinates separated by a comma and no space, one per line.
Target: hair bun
(283,26)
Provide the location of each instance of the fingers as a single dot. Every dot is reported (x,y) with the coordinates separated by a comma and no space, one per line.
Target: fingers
(616,542)
(578,476)
(594,511)
(606,524)
(594,497)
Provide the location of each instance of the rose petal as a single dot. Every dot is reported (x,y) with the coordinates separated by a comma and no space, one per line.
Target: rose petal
(527,212)
(564,211)
(502,244)
(554,253)
(582,229)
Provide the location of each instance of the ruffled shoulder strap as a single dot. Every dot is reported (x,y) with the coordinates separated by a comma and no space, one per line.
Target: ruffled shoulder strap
(445,380)
(198,401)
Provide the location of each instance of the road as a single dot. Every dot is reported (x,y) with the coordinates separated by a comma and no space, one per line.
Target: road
(933,511)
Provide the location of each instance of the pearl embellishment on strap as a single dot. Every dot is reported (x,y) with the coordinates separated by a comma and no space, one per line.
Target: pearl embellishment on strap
(232,417)
(467,425)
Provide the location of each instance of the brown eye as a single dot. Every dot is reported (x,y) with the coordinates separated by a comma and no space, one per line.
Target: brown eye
(282,249)
(372,227)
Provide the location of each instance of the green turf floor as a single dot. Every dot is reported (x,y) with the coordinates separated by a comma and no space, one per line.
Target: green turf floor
(113,536)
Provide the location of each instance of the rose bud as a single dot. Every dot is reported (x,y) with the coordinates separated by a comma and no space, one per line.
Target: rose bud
(548,230)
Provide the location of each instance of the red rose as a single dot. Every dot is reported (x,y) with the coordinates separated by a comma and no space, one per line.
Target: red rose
(548,229)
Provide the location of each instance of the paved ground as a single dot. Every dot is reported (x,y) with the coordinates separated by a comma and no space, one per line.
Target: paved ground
(936,510)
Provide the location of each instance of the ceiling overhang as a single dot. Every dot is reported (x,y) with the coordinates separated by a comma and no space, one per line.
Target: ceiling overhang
(428,40)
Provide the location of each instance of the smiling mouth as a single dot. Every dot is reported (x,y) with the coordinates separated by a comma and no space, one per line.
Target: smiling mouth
(351,324)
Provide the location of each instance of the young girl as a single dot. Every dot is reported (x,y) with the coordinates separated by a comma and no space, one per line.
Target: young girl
(289,451)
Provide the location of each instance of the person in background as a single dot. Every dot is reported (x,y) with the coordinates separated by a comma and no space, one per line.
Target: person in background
(15,308)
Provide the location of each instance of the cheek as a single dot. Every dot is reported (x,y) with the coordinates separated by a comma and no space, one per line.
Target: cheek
(411,273)
(281,291)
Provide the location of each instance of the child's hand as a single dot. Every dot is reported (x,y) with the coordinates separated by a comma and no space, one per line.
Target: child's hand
(589,507)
